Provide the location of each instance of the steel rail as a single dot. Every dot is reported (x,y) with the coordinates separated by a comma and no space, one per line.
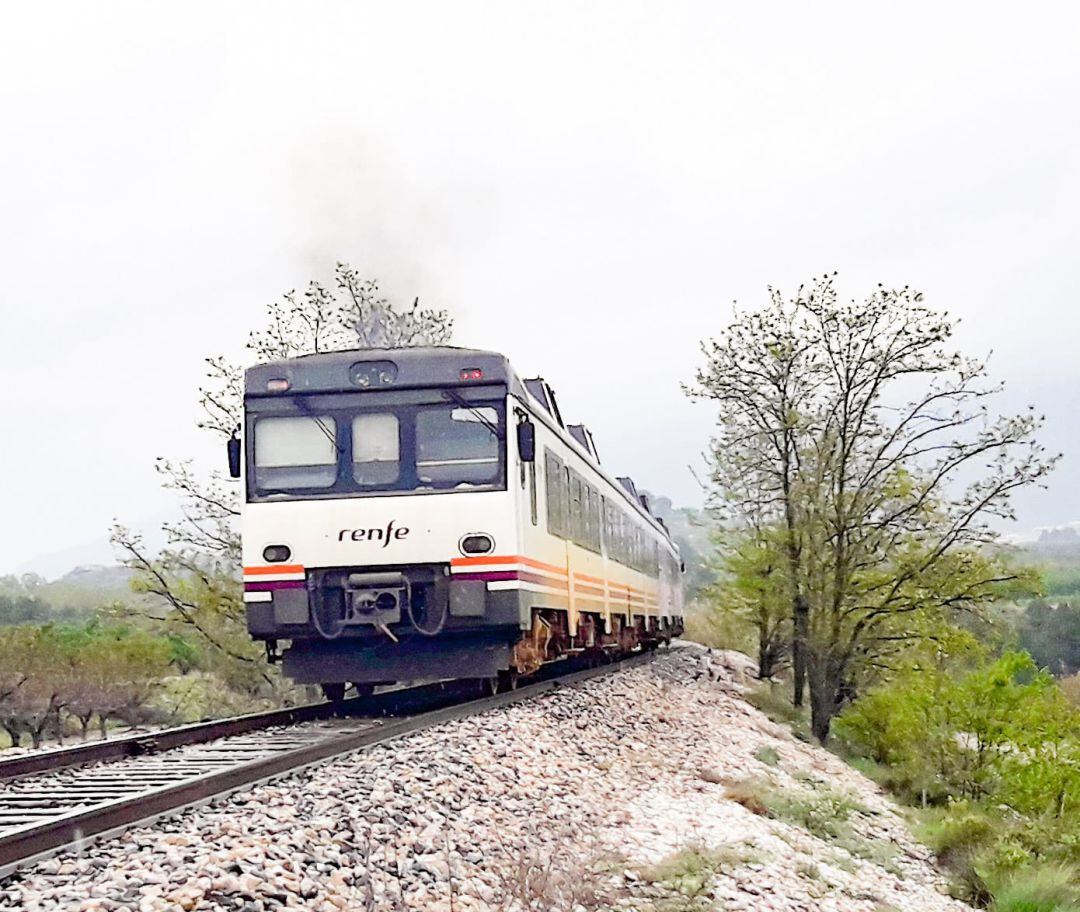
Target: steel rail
(34,841)
(137,744)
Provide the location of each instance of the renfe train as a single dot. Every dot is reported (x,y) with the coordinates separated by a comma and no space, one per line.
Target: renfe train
(423,513)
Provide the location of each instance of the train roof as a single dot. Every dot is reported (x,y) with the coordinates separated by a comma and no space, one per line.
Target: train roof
(424,366)
(429,365)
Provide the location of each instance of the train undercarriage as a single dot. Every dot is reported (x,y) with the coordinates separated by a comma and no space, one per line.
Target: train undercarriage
(493,659)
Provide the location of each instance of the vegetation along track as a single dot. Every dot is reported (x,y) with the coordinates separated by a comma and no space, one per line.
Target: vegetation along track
(66,806)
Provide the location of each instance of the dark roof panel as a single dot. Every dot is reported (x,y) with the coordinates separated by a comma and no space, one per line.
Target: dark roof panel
(414,367)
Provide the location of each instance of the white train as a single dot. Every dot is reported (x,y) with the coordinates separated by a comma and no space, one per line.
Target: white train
(423,513)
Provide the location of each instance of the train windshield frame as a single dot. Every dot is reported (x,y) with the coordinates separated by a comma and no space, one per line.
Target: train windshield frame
(322,446)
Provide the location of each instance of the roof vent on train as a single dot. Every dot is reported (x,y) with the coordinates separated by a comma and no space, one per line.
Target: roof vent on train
(628,483)
(581,434)
(643,499)
(545,395)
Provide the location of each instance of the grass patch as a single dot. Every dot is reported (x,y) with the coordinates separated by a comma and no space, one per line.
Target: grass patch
(688,875)
(822,812)
(1050,888)
(767,755)
(775,701)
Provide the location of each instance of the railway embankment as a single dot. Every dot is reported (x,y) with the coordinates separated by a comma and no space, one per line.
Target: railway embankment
(658,788)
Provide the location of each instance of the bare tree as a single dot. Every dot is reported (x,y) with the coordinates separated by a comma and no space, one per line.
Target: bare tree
(856,429)
(764,373)
(196,580)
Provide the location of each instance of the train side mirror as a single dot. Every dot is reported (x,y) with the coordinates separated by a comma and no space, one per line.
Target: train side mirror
(526,434)
(232,447)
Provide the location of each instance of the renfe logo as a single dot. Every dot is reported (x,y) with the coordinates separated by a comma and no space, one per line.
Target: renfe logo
(382,535)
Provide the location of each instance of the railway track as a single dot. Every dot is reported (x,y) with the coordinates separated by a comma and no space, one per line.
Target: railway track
(92,794)
(383,704)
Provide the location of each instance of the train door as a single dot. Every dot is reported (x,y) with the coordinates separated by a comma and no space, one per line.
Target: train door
(587,563)
(554,526)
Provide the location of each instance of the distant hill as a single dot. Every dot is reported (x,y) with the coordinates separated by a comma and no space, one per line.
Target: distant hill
(692,529)
(78,593)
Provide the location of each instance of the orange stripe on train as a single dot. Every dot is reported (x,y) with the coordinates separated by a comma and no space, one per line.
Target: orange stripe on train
(494,560)
(279,568)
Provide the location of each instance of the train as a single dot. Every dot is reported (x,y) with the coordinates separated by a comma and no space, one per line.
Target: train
(424,513)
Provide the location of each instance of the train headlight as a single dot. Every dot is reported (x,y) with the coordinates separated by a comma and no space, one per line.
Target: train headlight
(276,554)
(476,543)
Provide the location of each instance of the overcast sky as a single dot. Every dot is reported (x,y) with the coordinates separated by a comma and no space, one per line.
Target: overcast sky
(587,187)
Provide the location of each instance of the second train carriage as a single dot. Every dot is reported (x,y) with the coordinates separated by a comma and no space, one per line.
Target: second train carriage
(424,513)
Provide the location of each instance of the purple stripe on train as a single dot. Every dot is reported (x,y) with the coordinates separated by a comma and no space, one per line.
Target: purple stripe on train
(271,585)
(488,577)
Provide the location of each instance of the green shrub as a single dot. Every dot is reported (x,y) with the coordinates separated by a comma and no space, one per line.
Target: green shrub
(958,833)
(1046,888)
(1003,730)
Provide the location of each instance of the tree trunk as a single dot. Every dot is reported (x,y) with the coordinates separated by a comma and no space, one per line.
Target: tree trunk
(102,721)
(764,655)
(821,715)
(801,618)
(826,678)
(58,727)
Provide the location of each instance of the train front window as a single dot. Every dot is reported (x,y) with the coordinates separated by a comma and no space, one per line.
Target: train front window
(376,443)
(376,447)
(295,452)
(457,446)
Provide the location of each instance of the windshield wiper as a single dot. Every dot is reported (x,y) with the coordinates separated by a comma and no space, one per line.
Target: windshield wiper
(306,408)
(456,397)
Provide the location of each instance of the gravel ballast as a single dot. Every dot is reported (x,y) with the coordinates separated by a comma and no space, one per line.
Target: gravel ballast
(596,796)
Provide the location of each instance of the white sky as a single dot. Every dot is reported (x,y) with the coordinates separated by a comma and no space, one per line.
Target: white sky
(586,186)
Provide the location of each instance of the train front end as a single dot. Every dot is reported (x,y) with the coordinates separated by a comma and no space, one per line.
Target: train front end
(370,478)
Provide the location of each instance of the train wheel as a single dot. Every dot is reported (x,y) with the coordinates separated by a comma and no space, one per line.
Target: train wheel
(487,687)
(334,692)
(507,680)
(364,689)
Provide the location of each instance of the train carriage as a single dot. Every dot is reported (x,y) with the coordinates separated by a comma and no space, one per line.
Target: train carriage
(424,513)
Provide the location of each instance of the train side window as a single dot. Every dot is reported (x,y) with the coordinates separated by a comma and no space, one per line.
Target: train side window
(587,509)
(595,519)
(568,503)
(603,523)
(553,469)
(586,515)
(576,512)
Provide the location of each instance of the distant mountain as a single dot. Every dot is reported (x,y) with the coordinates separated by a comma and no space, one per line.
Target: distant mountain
(97,576)
(693,530)
(96,552)
(83,589)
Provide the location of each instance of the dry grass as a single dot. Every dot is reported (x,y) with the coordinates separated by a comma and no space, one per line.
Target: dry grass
(750,793)
(567,876)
